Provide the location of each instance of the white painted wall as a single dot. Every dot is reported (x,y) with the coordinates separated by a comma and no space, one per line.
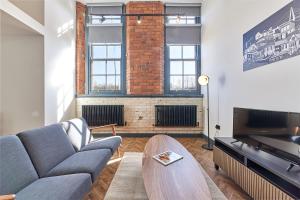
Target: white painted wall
(15,12)
(59,60)
(274,87)
(34,8)
(22,69)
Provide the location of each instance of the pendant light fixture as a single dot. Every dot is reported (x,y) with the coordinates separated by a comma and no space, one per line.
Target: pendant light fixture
(139,19)
(102,19)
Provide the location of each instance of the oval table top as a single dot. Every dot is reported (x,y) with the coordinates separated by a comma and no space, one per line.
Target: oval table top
(182,179)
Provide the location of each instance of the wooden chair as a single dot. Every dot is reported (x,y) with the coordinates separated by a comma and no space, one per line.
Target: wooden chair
(8,197)
(113,129)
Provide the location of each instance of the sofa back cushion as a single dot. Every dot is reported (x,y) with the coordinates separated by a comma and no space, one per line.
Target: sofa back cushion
(78,132)
(47,147)
(16,168)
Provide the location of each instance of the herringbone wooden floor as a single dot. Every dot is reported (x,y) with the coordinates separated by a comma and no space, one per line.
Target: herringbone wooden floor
(193,145)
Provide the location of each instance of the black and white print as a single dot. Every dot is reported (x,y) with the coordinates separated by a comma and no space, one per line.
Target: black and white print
(276,38)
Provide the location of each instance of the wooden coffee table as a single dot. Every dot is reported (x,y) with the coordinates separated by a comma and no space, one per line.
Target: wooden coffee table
(180,180)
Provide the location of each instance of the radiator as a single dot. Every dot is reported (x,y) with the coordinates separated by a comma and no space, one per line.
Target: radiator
(98,115)
(176,115)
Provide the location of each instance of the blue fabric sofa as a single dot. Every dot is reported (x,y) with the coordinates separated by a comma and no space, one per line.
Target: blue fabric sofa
(42,164)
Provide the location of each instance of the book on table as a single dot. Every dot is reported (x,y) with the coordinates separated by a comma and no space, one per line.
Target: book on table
(167,157)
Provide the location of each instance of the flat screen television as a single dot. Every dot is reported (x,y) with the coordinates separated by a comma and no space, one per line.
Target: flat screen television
(271,131)
(285,125)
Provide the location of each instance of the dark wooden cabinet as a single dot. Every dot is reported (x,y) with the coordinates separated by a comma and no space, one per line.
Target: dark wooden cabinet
(261,175)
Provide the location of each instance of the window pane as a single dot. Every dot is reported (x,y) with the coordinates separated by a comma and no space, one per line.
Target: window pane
(115,19)
(112,20)
(96,19)
(118,83)
(114,51)
(98,67)
(190,20)
(175,52)
(176,82)
(98,82)
(118,67)
(99,51)
(176,20)
(111,67)
(110,82)
(189,67)
(105,20)
(175,67)
(172,20)
(182,20)
(188,51)
(189,82)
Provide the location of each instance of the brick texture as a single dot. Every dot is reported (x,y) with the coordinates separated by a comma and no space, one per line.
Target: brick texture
(80,48)
(145,49)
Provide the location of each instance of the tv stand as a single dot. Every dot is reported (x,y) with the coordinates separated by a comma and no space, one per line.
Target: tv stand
(288,148)
(260,174)
(235,141)
(291,166)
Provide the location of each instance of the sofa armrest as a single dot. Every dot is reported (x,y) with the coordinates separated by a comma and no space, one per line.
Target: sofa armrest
(8,197)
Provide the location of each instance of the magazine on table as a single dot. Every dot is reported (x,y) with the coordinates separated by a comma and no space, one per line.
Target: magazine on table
(167,157)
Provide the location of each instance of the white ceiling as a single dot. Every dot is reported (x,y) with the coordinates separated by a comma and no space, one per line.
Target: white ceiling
(125,1)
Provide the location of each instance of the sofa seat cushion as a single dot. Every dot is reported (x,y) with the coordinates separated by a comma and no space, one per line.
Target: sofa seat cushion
(47,147)
(91,162)
(67,187)
(16,168)
(111,143)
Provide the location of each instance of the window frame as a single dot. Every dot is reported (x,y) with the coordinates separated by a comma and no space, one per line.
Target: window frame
(106,59)
(197,59)
(88,79)
(167,88)
(109,21)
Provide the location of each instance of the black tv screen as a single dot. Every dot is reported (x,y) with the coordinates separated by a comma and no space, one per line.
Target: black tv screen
(267,119)
(266,123)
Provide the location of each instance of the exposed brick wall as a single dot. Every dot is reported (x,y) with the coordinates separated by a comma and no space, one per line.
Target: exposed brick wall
(80,48)
(145,49)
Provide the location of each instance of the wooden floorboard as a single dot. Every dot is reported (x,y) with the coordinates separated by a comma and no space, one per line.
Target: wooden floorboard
(193,145)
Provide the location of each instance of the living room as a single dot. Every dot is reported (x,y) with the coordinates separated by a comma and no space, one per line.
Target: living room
(138,99)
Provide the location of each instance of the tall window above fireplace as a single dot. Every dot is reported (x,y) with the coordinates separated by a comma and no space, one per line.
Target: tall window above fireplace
(105,49)
(182,49)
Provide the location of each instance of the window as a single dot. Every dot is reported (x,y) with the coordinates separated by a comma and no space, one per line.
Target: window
(105,50)
(182,20)
(182,55)
(105,19)
(183,61)
(105,67)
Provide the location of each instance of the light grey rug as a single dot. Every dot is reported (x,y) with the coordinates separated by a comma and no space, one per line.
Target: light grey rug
(128,184)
